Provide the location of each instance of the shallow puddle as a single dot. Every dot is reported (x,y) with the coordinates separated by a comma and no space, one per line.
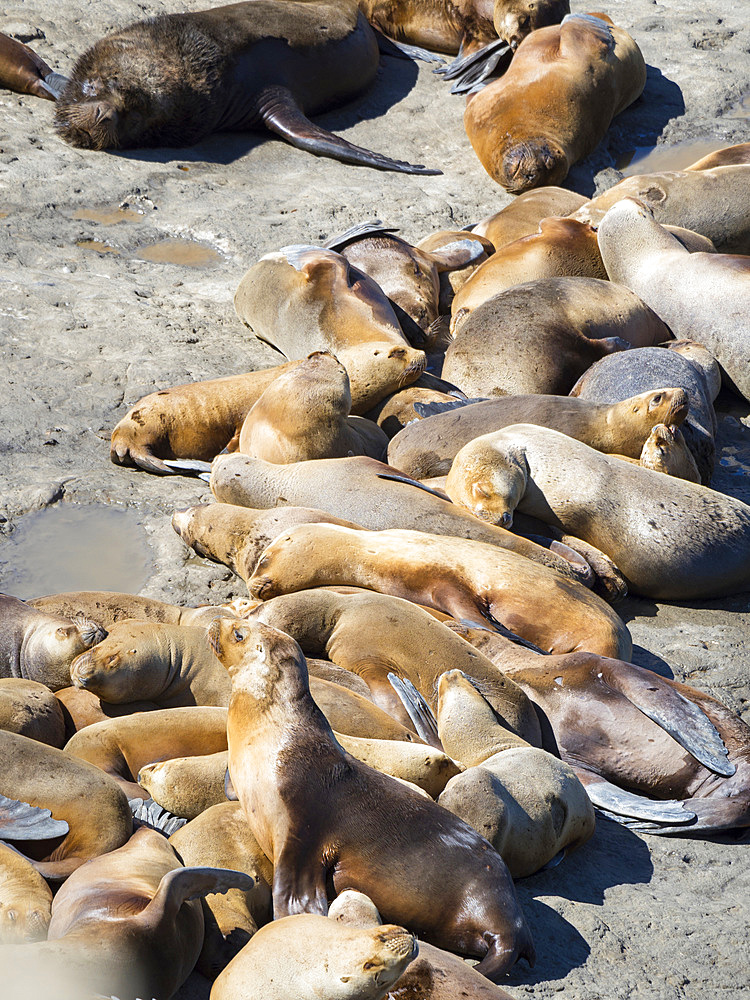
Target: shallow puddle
(108,216)
(652,159)
(75,547)
(98,246)
(188,253)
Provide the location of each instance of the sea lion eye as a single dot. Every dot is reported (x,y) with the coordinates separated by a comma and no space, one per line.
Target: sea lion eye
(656,400)
(237,635)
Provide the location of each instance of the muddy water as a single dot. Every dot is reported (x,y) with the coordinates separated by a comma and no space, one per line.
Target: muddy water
(108,216)
(652,159)
(74,547)
(98,246)
(185,252)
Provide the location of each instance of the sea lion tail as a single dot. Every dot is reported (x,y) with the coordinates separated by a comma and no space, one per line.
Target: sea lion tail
(281,114)
(183,884)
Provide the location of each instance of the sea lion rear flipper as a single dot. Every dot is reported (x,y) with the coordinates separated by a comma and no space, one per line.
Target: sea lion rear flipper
(418,710)
(431,409)
(187,465)
(55,84)
(429,381)
(357,232)
(183,884)
(148,812)
(402,50)
(229,791)
(685,721)
(471,71)
(506,632)
(624,806)
(21,821)
(280,113)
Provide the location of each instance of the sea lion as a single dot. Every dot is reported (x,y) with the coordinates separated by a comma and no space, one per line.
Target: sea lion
(39,646)
(451,280)
(174,79)
(372,495)
(665,450)
(671,539)
(83,708)
(89,801)
(374,635)
(25,899)
(560,248)
(527,803)
(23,71)
(703,358)
(304,414)
(328,822)
(555,102)
(620,375)
(30,709)
(105,607)
(522,216)
(396,411)
(428,448)
(123,924)
(541,336)
(121,747)
(728,156)
(186,786)
(700,296)
(710,202)
(433,975)
(468,580)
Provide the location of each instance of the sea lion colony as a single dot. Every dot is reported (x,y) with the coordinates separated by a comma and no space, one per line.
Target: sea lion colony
(412,702)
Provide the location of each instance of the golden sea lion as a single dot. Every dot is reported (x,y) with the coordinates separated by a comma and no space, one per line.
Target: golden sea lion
(30,709)
(665,451)
(327,821)
(554,104)
(83,708)
(174,79)
(25,899)
(522,216)
(470,581)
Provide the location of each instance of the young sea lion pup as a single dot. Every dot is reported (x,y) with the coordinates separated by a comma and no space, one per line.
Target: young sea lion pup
(329,822)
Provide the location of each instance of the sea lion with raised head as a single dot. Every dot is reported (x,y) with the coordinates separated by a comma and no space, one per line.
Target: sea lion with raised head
(556,101)
(427,449)
(482,584)
(24,72)
(174,79)
(328,822)
(665,450)
(522,216)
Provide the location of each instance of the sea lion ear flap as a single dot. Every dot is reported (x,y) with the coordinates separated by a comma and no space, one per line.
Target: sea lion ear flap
(454,256)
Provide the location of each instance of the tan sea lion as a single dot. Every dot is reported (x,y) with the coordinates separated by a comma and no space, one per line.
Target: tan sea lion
(304,414)
(451,281)
(123,925)
(527,803)
(554,104)
(23,71)
(541,336)
(221,838)
(665,451)
(711,202)
(396,411)
(40,647)
(105,607)
(186,786)
(524,213)
(700,296)
(671,539)
(25,899)
(470,581)
(287,59)
(84,708)
(89,801)
(560,248)
(418,863)
(728,156)
(30,709)
(428,449)
(703,358)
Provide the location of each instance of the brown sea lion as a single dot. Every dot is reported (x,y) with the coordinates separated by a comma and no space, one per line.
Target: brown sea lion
(39,646)
(174,79)
(329,822)
(30,709)
(83,708)
(369,493)
(23,71)
(522,216)
(554,104)
(396,411)
(470,581)
(76,792)
(671,539)
(541,336)
(374,635)
(121,925)
(428,448)
(105,607)
(700,296)
(304,414)
(560,248)
(527,803)
(728,156)
(711,202)
(25,899)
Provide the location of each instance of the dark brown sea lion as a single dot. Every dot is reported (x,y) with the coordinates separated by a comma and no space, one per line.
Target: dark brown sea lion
(541,336)
(329,822)
(173,80)
(522,216)
(427,449)
(123,925)
(23,71)
(30,709)
(555,102)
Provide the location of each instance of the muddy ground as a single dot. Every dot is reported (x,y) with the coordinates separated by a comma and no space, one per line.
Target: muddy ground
(92,317)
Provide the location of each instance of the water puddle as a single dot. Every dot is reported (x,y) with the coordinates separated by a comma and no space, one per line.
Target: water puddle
(652,159)
(75,547)
(98,246)
(108,216)
(188,253)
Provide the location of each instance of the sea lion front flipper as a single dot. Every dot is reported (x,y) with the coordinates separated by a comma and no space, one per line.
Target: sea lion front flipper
(280,113)
(187,465)
(685,721)
(506,633)
(621,805)
(402,50)
(229,792)
(429,381)
(412,482)
(299,882)
(21,821)
(357,232)
(418,710)
(148,812)
(431,409)
(183,884)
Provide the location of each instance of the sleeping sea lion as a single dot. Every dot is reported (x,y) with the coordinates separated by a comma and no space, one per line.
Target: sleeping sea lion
(397,411)
(174,79)
(105,607)
(522,216)
(728,156)
(665,450)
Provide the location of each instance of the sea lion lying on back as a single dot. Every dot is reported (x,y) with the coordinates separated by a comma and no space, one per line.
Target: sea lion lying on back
(174,79)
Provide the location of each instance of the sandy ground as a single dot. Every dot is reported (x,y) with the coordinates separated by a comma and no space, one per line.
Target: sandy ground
(92,318)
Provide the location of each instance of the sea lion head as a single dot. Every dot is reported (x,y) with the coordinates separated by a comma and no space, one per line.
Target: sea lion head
(488,479)
(59,641)
(660,406)
(259,658)
(110,668)
(665,451)
(22,921)
(515,19)
(531,163)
